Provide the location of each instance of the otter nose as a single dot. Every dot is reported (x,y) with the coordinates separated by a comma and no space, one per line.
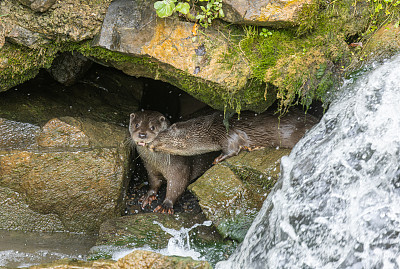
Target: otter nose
(142,135)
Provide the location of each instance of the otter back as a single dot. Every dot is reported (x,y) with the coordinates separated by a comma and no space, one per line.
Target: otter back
(208,133)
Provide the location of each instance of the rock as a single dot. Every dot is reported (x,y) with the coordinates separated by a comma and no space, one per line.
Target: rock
(232,193)
(69,67)
(38,5)
(25,37)
(142,259)
(74,170)
(189,61)
(15,213)
(70,20)
(145,230)
(277,14)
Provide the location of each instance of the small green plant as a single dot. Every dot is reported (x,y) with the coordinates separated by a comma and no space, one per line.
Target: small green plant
(166,8)
(212,10)
(207,13)
(265,32)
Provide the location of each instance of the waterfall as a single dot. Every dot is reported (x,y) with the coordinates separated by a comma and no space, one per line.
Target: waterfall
(337,202)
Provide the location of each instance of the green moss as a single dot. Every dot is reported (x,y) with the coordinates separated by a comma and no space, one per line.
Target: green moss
(23,63)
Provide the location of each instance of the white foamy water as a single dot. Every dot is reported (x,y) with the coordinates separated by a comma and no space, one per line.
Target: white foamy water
(337,203)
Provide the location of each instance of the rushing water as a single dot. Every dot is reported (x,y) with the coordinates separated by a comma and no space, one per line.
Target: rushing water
(337,203)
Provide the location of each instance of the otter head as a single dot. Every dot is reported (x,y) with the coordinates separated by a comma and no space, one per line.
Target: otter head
(144,126)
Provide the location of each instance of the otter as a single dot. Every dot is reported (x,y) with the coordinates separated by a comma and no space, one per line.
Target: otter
(249,132)
(178,171)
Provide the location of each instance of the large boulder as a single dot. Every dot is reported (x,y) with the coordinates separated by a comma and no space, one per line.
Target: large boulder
(69,174)
(232,192)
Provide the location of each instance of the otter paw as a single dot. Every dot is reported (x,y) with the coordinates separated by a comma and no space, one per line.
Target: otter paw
(147,199)
(220,158)
(166,208)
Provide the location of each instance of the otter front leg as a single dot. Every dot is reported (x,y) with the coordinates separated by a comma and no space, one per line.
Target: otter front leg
(155,183)
(175,188)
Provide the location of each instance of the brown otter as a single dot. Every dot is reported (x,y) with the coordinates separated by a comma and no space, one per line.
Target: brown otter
(208,133)
(178,171)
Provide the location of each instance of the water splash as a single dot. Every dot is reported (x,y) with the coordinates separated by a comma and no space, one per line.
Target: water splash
(336,204)
(178,244)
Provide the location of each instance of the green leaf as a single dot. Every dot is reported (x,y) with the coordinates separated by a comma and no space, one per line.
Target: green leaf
(200,17)
(378,7)
(221,13)
(164,8)
(183,7)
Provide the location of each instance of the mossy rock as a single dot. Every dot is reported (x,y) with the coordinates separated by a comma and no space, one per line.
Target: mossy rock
(232,192)
(144,230)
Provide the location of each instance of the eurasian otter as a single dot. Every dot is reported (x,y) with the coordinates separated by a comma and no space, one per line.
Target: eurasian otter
(178,171)
(251,131)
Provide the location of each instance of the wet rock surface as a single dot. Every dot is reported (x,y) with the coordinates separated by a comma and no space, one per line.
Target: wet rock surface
(141,230)
(179,234)
(231,193)
(66,172)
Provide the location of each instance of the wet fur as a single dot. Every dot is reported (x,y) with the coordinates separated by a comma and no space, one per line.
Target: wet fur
(178,171)
(207,133)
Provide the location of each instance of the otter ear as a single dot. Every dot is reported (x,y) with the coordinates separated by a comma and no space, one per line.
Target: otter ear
(162,118)
(133,115)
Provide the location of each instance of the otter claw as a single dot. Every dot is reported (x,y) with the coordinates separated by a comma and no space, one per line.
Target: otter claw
(146,200)
(220,158)
(164,210)
(251,148)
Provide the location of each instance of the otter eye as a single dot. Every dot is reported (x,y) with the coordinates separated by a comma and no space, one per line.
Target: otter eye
(137,125)
(152,128)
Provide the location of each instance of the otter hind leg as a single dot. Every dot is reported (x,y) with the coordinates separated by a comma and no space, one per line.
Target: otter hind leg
(233,144)
(155,182)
